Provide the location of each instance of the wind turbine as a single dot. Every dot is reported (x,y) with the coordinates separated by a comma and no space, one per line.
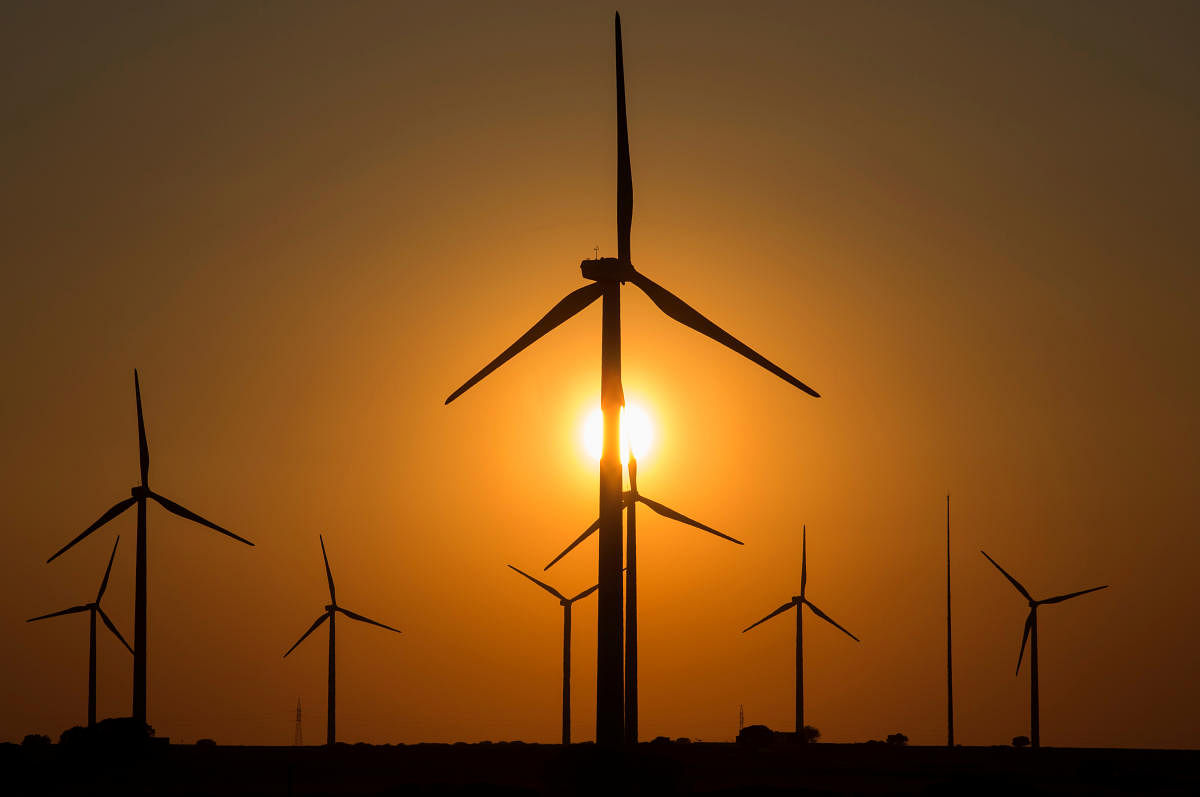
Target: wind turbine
(566,687)
(800,601)
(330,610)
(139,494)
(93,609)
(1030,636)
(630,501)
(608,275)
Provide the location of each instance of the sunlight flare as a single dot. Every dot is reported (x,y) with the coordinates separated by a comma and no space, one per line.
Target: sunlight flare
(636,428)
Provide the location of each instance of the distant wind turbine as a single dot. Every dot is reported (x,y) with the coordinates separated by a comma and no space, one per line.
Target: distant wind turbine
(608,275)
(328,614)
(630,501)
(140,493)
(566,685)
(93,609)
(800,601)
(1030,635)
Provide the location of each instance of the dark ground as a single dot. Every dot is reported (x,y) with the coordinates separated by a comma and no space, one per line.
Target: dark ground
(516,768)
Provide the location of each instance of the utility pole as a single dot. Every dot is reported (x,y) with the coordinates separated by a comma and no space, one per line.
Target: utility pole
(298,741)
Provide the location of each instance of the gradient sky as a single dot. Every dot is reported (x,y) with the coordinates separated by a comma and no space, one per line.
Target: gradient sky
(971,227)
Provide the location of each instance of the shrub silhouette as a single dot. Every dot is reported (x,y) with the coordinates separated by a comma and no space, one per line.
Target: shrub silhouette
(897,739)
(1020,741)
(755,735)
(35,740)
(810,735)
(112,732)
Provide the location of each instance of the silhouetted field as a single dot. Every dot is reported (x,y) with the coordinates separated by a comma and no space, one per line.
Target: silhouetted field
(514,768)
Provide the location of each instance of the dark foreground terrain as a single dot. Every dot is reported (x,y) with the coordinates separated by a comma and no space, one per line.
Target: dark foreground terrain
(582,769)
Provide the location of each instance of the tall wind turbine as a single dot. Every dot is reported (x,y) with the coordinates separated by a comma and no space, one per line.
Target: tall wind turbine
(566,685)
(608,275)
(1030,635)
(630,500)
(140,493)
(800,601)
(93,609)
(330,610)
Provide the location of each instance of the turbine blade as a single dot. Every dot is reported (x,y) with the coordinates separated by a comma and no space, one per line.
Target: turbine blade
(1015,583)
(362,619)
(830,620)
(685,314)
(116,509)
(328,572)
(104,583)
(632,468)
(570,305)
(311,628)
(782,608)
(586,533)
(1024,639)
(188,514)
(667,512)
(143,446)
(113,628)
(1069,595)
(624,171)
(803,558)
(72,610)
(585,593)
(544,586)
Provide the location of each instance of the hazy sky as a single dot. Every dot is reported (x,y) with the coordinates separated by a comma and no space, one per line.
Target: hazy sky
(971,227)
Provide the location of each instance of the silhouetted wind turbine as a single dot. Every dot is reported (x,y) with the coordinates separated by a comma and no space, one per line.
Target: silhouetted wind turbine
(800,601)
(566,686)
(1030,636)
(328,614)
(93,609)
(607,275)
(630,500)
(139,495)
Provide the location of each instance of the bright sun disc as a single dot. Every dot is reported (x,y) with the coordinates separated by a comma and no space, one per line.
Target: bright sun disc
(635,427)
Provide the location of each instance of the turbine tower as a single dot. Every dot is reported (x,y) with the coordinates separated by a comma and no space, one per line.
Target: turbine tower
(630,501)
(949,653)
(93,609)
(566,685)
(1030,635)
(800,601)
(139,495)
(330,610)
(608,275)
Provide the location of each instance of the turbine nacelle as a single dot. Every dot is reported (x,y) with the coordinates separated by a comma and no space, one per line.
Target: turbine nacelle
(605,269)
(140,491)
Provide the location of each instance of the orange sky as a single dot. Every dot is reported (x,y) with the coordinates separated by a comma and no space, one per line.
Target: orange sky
(971,229)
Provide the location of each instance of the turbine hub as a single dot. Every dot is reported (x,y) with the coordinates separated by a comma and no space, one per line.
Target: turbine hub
(330,607)
(140,492)
(605,269)
(797,599)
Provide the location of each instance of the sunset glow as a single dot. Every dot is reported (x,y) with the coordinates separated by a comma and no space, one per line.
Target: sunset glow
(636,427)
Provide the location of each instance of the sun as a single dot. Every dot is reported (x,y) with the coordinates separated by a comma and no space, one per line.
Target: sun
(635,427)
